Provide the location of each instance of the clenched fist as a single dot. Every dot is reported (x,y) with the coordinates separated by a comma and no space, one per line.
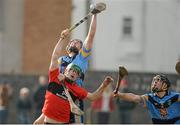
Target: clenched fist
(107,80)
(61,77)
(65,33)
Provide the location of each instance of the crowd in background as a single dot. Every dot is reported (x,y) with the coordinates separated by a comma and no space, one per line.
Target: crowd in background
(29,103)
(25,102)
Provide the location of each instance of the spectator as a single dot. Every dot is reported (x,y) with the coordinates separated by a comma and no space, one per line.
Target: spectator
(124,107)
(24,106)
(39,95)
(104,106)
(5,94)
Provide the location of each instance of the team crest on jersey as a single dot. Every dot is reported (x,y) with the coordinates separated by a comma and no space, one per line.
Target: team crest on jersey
(163,112)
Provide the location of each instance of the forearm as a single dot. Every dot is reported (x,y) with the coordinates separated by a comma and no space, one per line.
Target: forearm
(129,97)
(97,94)
(58,52)
(59,48)
(92,30)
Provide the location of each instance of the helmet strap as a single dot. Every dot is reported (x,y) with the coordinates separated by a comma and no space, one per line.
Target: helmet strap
(164,87)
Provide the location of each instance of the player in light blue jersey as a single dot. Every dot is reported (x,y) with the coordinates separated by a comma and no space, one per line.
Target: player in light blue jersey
(81,59)
(163,104)
(79,54)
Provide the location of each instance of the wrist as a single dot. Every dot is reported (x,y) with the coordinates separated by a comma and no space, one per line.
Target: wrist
(104,85)
(62,37)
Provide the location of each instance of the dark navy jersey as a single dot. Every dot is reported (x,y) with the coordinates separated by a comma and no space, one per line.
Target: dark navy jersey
(163,110)
(64,61)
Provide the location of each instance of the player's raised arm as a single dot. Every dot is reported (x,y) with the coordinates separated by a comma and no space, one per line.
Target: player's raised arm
(92,30)
(58,50)
(95,95)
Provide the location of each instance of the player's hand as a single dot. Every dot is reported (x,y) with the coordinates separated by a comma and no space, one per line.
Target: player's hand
(61,77)
(115,94)
(107,81)
(65,33)
(39,120)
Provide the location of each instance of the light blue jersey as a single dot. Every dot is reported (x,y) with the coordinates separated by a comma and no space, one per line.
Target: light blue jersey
(81,60)
(164,110)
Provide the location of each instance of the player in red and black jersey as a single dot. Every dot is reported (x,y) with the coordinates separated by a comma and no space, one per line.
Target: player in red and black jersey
(57,107)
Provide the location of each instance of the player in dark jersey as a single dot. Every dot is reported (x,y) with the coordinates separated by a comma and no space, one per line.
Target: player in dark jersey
(163,104)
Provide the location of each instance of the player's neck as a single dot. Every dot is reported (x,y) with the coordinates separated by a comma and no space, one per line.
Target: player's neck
(69,80)
(161,94)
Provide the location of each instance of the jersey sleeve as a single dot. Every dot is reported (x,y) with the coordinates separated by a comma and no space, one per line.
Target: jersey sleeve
(80,92)
(144,99)
(179,97)
(59,60)
(84,52)
(53,75)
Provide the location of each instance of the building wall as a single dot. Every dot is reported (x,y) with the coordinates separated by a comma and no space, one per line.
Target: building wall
(29,30)
(43,22)
(11,36)
(111,48)
(163,40)
(154,45)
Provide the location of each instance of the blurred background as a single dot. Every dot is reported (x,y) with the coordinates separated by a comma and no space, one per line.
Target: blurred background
(142,35)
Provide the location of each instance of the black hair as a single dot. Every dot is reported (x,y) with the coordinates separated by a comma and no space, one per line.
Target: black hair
(165,79)
(68,46)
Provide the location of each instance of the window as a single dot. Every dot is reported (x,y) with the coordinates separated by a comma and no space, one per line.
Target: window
(127,27)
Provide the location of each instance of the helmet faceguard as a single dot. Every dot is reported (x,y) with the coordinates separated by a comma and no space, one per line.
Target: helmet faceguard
(163,79)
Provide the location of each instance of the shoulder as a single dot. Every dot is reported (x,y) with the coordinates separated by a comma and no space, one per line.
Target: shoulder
(174,94)
(64,58)
(53,74)
(147,95)
(85,52)
(78,88)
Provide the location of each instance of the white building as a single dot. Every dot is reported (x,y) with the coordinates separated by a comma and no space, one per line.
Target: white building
(142,35)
